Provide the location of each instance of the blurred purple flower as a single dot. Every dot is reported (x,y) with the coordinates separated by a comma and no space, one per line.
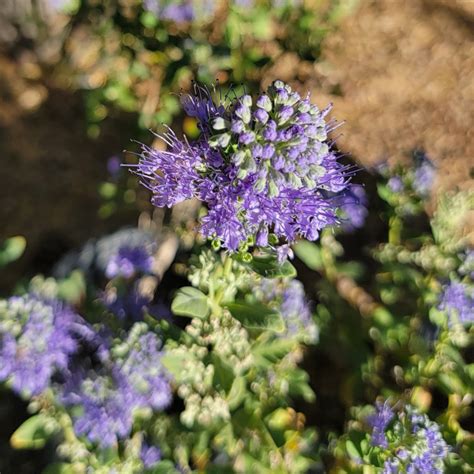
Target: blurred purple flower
(379,422)
(395,184)
(37,339)
(424,175)
(128,261)
(354,207)
(130,377)
(114,166)
(457,300)
(289,298)
(150,455)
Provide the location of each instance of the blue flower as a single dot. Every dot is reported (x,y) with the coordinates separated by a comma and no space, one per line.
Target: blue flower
(128,377)
(37,339)
(260,166)
(150,455)
(457,300)
(128,261)
(379,422)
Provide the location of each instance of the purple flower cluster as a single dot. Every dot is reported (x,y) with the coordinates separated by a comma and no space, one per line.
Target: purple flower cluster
(260,166)
(128,261)
(379,422)
(354,207)
(414,444)
(37,339)
(457,300)
(292,305)
(130,377)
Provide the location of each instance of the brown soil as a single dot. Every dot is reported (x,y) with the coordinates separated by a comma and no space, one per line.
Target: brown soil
(50,169)
(400,74)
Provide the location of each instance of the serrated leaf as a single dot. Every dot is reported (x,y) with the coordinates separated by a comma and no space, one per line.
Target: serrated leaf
(12,249)
(190,302)
(256,316)
(309,253)
(31,434)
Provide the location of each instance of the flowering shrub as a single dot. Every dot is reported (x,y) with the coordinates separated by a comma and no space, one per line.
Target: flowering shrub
(310,299)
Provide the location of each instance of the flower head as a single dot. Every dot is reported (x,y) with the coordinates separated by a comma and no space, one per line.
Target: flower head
(379,422)
(129,377)
(457,301)
(150,455)
(128,261)
(37,339)
(288,297)
(260,166)
(354,207)
(424,174)
(413,443)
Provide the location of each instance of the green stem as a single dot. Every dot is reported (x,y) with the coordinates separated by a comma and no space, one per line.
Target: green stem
(395,230)
(227,265)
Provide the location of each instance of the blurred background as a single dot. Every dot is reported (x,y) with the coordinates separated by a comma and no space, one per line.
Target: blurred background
(81,79)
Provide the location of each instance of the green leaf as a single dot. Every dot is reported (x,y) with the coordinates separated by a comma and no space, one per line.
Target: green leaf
(165,467)
(190,302)
(174,363)
(309,253)
(73,288)
(223,373)
(31,434)
(298,385)
(237,393)
(256,316)
(12,249)
(352,450)
(273,350)
(268,266)
(59,468)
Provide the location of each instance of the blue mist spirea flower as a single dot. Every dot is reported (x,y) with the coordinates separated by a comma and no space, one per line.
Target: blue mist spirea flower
(424,174)
(128,261)
(379,421)
(128,377)
(289,299)
(457,301)
(139,361)
(261,165)
(354,207)
(395,184)
(150,455)
(409,440)
(37,339)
